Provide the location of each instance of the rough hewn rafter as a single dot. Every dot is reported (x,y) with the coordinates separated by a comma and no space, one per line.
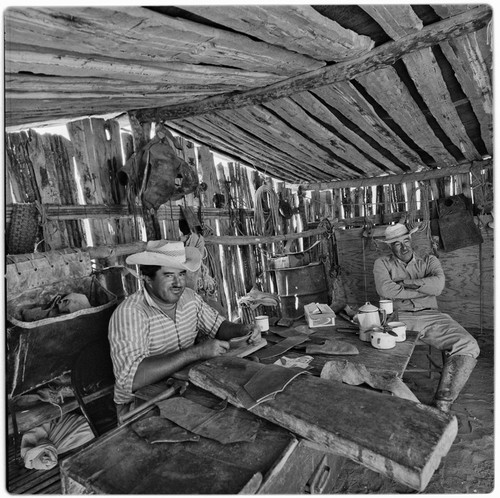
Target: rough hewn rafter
(386,54)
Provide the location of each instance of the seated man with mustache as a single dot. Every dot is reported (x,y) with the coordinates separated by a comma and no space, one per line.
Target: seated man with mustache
(165,326)
(413,284)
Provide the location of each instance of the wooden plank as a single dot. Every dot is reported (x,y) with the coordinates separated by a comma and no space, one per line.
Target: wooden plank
(324,39)
(209,175)
(175,38)
(350,421)
(88,167)
(341,136)
(13,193)
(337,203)
(381,56)
(21,169)
(392,361)
(425,73)
(469,292)
(59,151)
(195,131)
(169,468)
(310,124)
(292,140)
(228,132)
(190,157)
(399,21)
(369,201)
(240,125)
(247,196)
(396,20)
(400,105)
(125,231)
(55,232)
(344,97)
(470,68)
(356,261)
(36,482)
(82,74)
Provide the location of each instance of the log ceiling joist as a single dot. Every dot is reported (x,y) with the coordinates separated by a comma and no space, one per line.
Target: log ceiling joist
(309,94)
(459,25)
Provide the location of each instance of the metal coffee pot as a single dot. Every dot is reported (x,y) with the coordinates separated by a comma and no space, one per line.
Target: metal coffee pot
(369,316)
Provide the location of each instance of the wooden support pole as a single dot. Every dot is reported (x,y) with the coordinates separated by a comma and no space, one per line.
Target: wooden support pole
(397,179)
(108,251)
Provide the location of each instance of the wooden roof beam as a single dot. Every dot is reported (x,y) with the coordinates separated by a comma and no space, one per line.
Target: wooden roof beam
(459,25)
(465,167)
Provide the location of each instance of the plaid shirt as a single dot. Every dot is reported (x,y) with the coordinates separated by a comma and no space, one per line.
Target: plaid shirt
(139,328)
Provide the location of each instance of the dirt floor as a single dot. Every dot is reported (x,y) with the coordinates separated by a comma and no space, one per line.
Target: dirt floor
(469,465)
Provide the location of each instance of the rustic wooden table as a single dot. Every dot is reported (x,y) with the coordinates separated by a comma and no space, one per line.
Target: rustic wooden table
(276,462)
(377,360)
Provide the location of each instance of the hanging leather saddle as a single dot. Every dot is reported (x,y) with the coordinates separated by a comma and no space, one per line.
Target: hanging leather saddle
(157,173)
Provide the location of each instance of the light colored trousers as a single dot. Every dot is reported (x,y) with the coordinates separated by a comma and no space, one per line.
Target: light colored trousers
(440,331)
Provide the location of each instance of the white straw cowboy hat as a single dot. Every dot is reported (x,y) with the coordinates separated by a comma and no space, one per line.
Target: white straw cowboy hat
(396,232)
(167,253)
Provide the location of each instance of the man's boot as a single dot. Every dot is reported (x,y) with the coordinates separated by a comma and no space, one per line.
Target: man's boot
(456,371)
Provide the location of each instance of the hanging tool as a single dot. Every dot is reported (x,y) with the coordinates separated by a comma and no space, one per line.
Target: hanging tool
(175,386)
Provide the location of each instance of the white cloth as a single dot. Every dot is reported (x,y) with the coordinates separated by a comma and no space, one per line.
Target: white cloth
(41,445)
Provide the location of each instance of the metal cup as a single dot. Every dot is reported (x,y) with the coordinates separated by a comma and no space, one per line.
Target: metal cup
(262,321)
(386,305)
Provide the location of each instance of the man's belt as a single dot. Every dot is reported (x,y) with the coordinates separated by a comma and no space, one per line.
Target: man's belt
(416,311)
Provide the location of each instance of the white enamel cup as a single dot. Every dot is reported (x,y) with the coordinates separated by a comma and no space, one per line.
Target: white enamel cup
(386,304)
(262,321)
(382,340)
(400,329)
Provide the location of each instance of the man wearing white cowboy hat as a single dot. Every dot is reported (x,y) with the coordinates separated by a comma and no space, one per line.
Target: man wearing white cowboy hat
(413,283)
(165,326)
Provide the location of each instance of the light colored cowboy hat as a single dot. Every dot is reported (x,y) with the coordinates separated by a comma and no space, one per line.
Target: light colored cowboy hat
(396,232)
(167,253)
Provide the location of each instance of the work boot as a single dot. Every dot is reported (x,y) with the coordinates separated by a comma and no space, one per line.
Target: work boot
(456,371)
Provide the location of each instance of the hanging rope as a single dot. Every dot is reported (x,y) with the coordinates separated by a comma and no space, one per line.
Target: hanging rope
(205,284)
(266,214)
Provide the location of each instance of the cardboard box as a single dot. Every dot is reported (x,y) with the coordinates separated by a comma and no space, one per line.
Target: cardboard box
(319,315)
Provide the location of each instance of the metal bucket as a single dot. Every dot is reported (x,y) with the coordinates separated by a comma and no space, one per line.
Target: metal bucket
(299,286)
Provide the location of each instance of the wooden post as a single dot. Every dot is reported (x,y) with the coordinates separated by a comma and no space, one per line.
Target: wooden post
(207,168)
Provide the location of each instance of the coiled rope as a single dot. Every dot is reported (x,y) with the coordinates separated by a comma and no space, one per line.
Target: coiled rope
(266,214)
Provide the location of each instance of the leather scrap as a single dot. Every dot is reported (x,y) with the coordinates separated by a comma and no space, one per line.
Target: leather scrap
(299,362)
(282,347)
(266,383)
(355,374)
(332,346)
(225,424)
(160,430)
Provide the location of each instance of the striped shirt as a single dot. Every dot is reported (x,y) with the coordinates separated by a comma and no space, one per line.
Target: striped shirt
(139,328)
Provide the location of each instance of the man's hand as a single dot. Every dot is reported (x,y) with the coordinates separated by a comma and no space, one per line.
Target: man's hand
(411,286)
(254,330)
(231,330)
(211,348)
(408,285)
